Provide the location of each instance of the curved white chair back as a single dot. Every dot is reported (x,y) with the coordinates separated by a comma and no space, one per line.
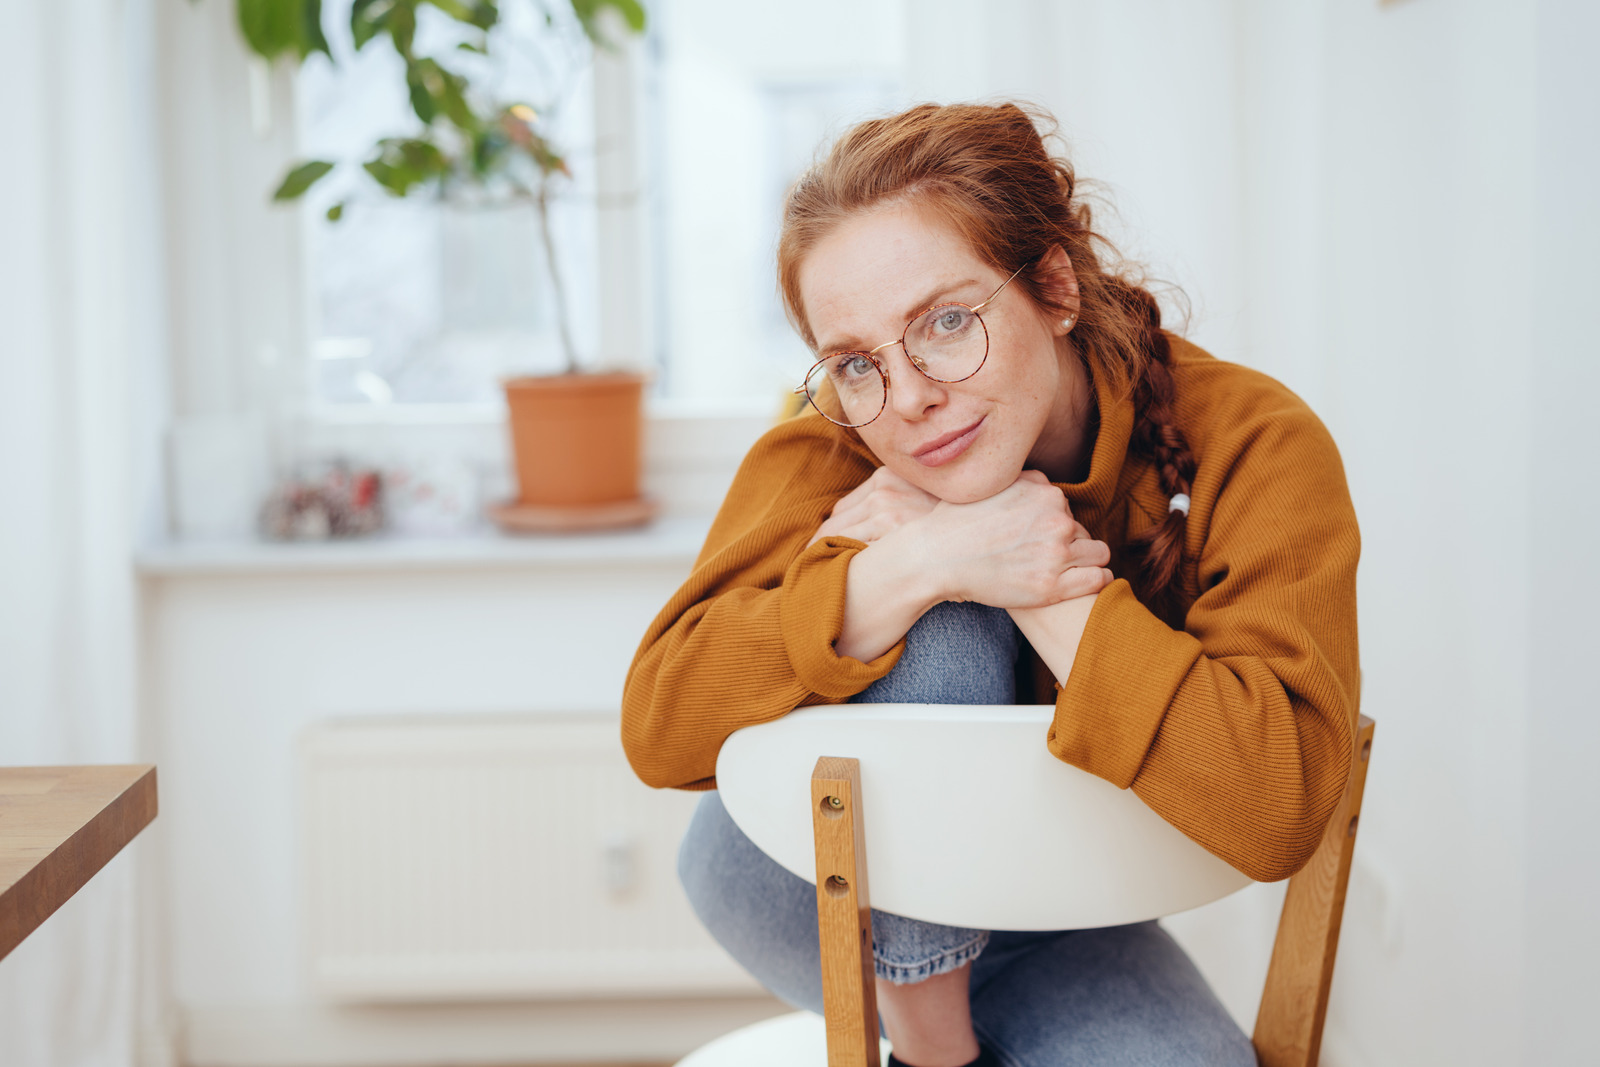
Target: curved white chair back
(969,820)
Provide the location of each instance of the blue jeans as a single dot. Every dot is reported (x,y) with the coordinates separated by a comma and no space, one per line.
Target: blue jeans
(1118,995)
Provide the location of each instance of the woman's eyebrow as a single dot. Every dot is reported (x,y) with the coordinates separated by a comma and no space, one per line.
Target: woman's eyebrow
(936,296)
(853,344)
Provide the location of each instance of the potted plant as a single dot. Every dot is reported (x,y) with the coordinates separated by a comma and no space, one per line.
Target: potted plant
(576,435)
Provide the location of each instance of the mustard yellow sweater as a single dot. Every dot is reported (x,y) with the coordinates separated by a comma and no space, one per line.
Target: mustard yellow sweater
(1236,729)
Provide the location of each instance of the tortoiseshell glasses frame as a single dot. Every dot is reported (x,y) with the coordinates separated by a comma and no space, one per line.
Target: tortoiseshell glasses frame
(808,387)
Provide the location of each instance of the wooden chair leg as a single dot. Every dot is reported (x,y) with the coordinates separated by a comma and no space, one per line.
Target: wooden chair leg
(844,914)
(1295,1001)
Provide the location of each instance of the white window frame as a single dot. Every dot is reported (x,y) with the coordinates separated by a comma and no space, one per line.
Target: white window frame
(238,308)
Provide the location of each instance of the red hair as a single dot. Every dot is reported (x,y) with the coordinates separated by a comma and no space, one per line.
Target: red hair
(985,171)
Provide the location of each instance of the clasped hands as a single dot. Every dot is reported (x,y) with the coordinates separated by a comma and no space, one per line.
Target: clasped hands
(1020,548)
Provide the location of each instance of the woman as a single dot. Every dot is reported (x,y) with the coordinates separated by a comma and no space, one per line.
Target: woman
(1014,486)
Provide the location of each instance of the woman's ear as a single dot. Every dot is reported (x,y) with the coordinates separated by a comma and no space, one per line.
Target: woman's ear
(1054,275)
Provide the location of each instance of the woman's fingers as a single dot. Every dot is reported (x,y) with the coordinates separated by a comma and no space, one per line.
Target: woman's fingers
(1087,552)
(876,507)
(1082,581)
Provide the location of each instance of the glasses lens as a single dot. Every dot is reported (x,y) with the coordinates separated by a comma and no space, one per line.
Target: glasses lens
(947,343)
(848,388)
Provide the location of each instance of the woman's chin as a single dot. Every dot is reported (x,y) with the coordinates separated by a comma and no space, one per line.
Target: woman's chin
(969,487)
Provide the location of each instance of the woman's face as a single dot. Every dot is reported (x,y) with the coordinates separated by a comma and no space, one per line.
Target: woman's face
(960,441)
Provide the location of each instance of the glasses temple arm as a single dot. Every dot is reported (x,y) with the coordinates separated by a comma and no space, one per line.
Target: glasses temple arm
(1002,285)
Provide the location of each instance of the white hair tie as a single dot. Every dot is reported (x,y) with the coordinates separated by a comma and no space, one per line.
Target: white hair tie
(1180,502)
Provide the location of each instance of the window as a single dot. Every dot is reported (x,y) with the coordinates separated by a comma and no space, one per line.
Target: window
(423,301)
(427,300)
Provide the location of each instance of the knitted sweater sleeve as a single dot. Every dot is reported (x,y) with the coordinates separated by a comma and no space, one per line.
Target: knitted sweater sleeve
(749,637)
(1238,728)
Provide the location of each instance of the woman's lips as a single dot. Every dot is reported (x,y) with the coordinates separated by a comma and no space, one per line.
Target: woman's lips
(942,450)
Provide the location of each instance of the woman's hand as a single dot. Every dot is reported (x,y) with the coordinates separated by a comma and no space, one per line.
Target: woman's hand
(878,506)
(1020,548)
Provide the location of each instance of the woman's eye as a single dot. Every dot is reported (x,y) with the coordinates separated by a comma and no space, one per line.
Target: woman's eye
(948,321)
(852,365)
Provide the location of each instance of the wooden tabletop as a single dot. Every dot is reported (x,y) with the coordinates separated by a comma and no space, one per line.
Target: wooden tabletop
(58,826)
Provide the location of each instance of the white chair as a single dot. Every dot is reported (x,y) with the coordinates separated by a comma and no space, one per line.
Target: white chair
(810,789)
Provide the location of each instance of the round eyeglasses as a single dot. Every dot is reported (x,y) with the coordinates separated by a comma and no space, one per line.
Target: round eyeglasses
(947,343)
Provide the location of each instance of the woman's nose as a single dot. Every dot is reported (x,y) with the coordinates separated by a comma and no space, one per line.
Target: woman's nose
(911,393)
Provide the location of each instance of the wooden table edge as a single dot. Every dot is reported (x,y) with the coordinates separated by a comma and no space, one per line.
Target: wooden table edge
(53,881)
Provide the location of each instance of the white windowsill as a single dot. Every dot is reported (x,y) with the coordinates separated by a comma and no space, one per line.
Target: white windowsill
(667,541)
(658,410)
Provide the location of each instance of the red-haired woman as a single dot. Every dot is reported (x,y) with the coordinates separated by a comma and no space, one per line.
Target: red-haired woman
(1015,485)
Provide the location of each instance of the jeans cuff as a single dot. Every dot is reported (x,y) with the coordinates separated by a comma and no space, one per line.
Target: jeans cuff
(947,960)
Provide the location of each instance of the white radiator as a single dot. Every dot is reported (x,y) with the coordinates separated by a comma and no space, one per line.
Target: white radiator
(450,858)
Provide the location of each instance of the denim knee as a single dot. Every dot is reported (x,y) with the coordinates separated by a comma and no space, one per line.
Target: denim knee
(766,916)
(957,653)
(763,915)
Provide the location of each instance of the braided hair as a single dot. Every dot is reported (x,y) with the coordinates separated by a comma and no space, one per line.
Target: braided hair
(986,171)
(1159,549)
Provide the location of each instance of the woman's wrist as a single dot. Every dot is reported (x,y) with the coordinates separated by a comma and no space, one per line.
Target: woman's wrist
(887,590)
(1056,630)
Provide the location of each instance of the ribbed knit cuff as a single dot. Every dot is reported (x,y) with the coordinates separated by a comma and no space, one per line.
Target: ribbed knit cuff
(1128,668)
(811,616)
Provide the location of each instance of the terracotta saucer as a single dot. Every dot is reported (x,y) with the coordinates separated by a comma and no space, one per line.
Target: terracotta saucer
(515,517)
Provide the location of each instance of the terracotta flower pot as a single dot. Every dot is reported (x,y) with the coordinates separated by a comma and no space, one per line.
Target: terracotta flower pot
(577,440)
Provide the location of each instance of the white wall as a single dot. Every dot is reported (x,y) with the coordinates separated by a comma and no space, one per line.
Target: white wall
(1562,864)
(247,648)
(1389,207)
(1418,360)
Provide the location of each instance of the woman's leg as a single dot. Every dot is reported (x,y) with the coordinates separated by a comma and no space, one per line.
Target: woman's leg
(765,916)
(955,654)
(762,914)
(1122,995)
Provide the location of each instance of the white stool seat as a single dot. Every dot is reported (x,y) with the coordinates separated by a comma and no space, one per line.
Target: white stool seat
(798,1040)
(1046,846)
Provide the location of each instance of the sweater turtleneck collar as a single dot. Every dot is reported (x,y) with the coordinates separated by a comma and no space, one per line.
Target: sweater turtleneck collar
(1094,495)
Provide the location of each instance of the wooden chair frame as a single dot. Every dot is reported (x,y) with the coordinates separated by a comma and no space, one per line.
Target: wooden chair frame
(1294,1003)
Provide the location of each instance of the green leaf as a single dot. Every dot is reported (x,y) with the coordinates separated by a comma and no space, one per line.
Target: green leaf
(472,46)
(447,92)
(404,163)
(374,18)
(386,176)
(301,178)
(273,28)
(423,157)
(311,35)
(588,12)
(422,101)
(488,148)
(267,25)
(480,13)
(632,13)
(368,18)
(336,212)
(402,26)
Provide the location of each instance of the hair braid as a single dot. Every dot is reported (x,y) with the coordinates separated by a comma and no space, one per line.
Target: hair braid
(1159,549)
